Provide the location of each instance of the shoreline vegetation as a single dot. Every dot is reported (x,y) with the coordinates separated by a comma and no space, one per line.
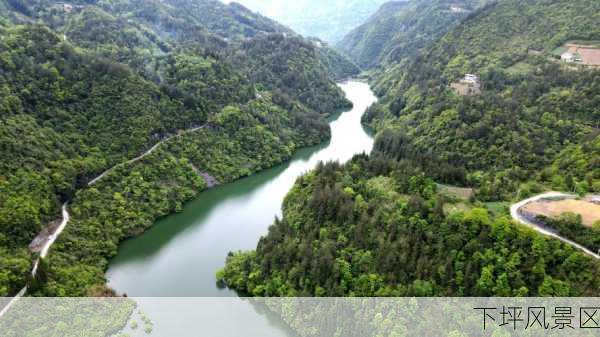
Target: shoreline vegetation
(378,226)
(359,229)
(42,243)
(86,86)
(173,147)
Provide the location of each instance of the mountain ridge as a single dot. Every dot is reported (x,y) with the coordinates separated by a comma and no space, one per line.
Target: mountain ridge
(402,29)
(86,86)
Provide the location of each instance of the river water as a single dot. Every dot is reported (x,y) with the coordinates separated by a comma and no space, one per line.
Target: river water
(180,254)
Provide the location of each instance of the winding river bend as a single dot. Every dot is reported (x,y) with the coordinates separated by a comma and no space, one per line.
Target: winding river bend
(180,255)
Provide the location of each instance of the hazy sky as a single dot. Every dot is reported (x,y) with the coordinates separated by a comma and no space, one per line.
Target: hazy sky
(274,8)
(329,20)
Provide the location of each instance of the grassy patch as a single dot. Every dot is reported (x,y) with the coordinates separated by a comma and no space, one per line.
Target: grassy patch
(456,192)
(498,208)
(559,51)
(520,68)
(457,207)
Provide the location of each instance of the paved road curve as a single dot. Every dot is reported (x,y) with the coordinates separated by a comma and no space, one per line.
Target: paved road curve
(514,212)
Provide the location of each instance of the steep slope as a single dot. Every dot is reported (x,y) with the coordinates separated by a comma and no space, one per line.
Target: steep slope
(106,82)
(170,17)
(401,29)
(366,43)
(530,108)
(339,66)
(138,32)
(292,65)
(65,115)
(238,141)
(380,226)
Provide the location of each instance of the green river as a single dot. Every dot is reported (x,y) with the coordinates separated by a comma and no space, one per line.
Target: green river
(180,254)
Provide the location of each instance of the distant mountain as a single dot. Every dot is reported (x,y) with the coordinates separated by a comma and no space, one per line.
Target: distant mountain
(403,28)
(328,20)
(169,16)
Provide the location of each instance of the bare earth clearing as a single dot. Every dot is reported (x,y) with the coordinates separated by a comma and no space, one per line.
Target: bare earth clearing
(458,192)
(590,55)
(516,212)
(590,212)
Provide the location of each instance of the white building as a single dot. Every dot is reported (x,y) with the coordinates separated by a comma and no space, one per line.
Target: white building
(472,79)
(567,57)
(468,86)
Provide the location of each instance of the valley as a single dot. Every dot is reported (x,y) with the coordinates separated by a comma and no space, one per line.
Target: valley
(198,148)
(180,255)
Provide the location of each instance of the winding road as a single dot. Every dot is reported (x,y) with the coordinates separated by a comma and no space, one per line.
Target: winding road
(145,154)
(65,213)
(514,212)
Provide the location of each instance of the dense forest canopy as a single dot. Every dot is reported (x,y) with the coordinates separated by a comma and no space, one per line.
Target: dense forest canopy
(86,85)
(401,29)
(382,226)
(531,106)
(377,227)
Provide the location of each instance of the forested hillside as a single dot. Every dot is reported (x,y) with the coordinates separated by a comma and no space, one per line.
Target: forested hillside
(377,227)
(93,84)
(288,64)
(530,108)
(65,117)
(240,141)
(380,225)
(402,29)
(171,17)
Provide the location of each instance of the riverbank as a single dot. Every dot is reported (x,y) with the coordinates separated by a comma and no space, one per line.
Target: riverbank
(180,254)
(42,243)
(158,183)
(128,199)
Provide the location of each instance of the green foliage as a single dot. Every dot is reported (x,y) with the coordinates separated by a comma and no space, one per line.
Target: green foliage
(402,29)
(290,66)
(334,243)
(338,66)
(519,124)
(26,202)
(503,32)
(67,317)
(86,89)
(239,141)
(576,168)
(570,226)
(65,116)
(15,266)
(113,37)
